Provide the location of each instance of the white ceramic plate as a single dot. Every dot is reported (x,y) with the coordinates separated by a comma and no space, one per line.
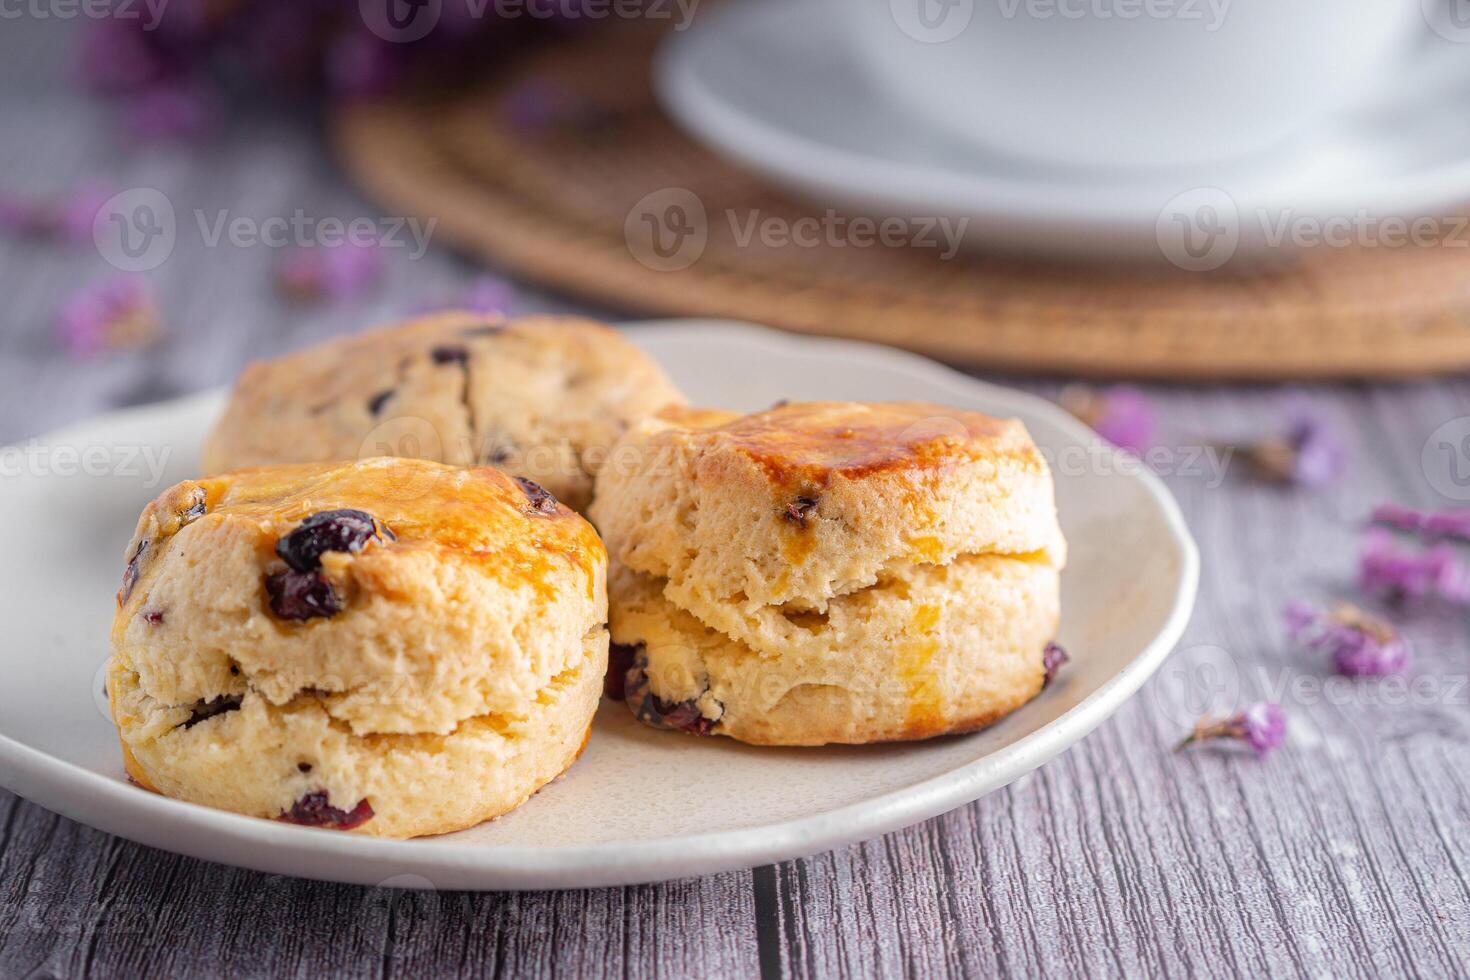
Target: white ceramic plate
(773,86)
(640,805)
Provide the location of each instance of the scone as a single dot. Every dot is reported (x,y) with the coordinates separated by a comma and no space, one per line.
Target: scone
(392,646)
(830,572)
(541,397)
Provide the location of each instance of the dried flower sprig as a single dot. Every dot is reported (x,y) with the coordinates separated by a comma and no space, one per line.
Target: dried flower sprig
(1400,576)
(1309,453)
(1261,726)
(1053,659)
(113,314)
(338,272)
(67,218)
(1122,414)
(1447,525)
(1359,645)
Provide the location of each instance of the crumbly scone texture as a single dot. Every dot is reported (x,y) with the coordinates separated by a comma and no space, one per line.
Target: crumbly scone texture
(460,625)
(830,572)
(931,650)
(541,397)
(809,501)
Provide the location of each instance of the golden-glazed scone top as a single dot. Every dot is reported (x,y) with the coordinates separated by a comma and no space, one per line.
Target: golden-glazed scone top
(477,515)
(811,442)
(467,590)
(807,501)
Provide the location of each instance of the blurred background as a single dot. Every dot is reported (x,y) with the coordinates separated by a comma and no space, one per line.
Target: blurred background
(1177,190)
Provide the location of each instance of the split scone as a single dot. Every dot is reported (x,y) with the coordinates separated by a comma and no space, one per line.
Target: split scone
(541,397)
(391,646)
(830,572)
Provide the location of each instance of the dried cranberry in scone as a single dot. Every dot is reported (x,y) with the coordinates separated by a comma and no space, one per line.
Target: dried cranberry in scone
(316,810)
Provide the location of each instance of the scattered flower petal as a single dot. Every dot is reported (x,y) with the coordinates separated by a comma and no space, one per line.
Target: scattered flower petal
(1053,658)
(1309,453)
(489,294)
(116,56)
(1261,726)
(339,272)
(1122,414)
(1360,645)
(361,66)
(172,110)
(1402,575)
(113,314)
(67,219)
(1447,525)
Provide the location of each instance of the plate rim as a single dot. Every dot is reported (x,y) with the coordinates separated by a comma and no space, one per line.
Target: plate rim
(113,806)
(792,157)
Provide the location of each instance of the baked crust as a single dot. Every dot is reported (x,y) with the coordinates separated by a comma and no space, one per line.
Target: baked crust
(542,397)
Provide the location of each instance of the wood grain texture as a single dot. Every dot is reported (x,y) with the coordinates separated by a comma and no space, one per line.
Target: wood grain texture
(1342,854)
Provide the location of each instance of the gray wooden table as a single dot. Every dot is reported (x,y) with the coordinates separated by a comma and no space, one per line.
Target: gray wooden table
(1343,854)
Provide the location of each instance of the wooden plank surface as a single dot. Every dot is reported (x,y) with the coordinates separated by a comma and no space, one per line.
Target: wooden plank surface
(1343,854)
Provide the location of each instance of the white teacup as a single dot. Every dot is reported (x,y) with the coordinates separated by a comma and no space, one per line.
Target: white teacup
(1130,84)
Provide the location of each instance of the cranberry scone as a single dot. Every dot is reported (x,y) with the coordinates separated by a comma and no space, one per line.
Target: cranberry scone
(541,397)
(830,572)
(395,647)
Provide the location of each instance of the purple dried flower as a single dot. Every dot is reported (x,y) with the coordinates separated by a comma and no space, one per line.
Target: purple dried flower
(116,55)
(1261,726)
(360,66)
(1360,645)
(1309,453)
(1402,575)
(109,315)
(1052,660)
(338,272)
(1122,414)
(1447,525)
(69,218)
(172,110)
(489,294)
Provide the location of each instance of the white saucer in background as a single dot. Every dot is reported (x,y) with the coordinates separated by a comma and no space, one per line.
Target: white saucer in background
(772,85)
(640,805)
